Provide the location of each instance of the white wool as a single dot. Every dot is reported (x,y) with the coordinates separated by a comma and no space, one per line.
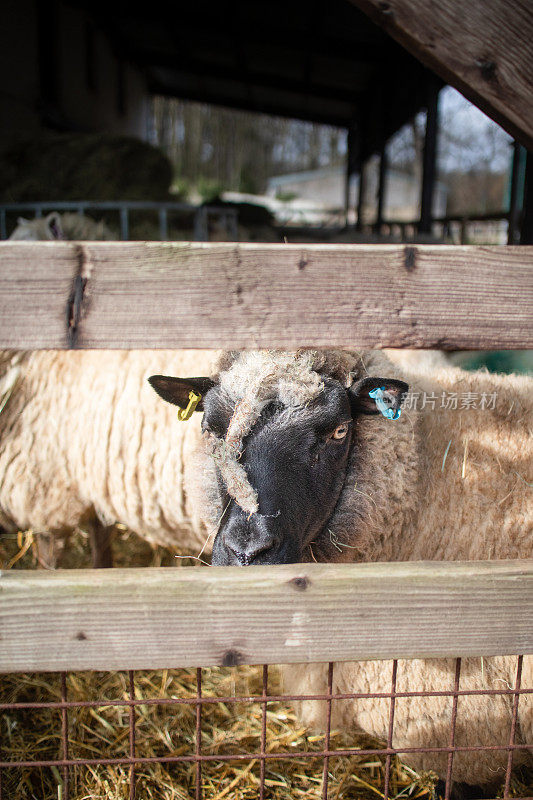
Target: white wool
(69,226)
(263,375)
(84,437)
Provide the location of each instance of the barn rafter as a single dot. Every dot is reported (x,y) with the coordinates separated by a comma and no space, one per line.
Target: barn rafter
(331,65)
(334,64)
(482,49)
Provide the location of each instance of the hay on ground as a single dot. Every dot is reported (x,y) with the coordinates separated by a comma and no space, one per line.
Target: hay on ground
(227,728)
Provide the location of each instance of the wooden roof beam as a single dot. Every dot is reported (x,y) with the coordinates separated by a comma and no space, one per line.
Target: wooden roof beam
(239,74)
(482,49)
(339,118)
(275,37)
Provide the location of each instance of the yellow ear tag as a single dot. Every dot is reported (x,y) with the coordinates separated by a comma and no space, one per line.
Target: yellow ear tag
(186,413)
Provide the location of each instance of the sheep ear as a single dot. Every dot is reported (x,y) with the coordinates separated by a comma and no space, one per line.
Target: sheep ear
(177,390)
(362,403)
(53,224)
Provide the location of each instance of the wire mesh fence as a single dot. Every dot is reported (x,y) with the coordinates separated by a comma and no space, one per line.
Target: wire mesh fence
(198,749)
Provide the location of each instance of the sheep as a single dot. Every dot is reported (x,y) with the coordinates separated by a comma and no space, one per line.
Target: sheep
(61,226)
(299,465)
(85,442)
(416,360)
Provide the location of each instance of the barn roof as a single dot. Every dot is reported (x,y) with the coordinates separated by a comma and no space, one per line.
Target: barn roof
(483,49)
(325,63)
(359,63)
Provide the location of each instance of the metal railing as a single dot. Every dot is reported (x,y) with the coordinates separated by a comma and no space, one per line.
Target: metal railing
(409,228)
(202,215)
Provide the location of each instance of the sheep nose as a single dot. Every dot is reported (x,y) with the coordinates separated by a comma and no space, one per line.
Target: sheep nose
(242,558)
(246,553)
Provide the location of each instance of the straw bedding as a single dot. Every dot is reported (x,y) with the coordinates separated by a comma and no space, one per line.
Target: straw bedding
(227,728)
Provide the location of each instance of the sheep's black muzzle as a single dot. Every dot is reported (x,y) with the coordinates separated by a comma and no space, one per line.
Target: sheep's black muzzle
(243,540)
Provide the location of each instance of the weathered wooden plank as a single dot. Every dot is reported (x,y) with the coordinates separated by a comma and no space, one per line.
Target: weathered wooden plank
(223,295)
(162,294)
(483,49)
(156,618)
(35,284)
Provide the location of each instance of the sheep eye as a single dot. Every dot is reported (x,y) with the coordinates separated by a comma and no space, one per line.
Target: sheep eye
(340,432)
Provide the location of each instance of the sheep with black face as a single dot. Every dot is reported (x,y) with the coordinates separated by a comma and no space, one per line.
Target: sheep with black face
(299,465)
(281,433)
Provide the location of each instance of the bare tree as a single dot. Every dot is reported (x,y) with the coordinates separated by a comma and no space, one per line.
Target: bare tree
(240,150)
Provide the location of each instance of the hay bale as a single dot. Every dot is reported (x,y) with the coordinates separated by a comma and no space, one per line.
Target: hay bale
(83,167)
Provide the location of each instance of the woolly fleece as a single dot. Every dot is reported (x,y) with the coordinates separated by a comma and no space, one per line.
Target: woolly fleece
(73,227)
(84,436)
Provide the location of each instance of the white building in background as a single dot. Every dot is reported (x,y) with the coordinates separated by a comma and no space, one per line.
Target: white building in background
(324,188)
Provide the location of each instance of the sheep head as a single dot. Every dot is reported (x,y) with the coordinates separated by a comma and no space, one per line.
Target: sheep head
(281,428)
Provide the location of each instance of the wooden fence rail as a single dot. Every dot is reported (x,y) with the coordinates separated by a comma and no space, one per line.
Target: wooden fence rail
(162,294)
(158,618)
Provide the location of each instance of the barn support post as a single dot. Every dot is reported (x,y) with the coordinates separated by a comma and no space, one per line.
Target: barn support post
(124,224)
(163,224)
(383,170)
(348,173)
(429,169)
(352,161)
(359,165)
(516,193)
(347,180)
(526,229)
(361,196)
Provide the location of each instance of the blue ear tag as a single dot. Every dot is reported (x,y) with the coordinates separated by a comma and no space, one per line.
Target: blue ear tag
(379,396)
